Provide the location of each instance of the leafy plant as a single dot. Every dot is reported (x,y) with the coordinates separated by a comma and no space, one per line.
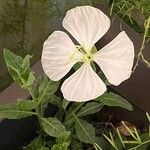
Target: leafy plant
(68,125)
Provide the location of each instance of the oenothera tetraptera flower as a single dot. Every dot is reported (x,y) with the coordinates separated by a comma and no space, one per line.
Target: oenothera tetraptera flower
(87,25)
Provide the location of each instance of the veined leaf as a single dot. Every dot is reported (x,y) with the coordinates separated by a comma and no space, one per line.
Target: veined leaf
(26,64)
(55,100)
(64,137)
(84,131)
(15,114)
(90,108)
(30,80)
(111,99)
(62,142)
(16,110)
(63,146)
(37,144)
(26,104)
(19,69)
(12,61)
(46,89)
(53,126)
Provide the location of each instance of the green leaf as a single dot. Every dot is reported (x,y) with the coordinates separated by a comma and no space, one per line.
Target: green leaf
(26,64)
(65,103)
(76,145)
(19,69)
(55,100)
(111,99)
(12,61)
(26,104)
(52,126)
(63,146)
(62,142)
(46,89)
(90,108)
(84,131)
(30,80)
(37,144)
(12,111)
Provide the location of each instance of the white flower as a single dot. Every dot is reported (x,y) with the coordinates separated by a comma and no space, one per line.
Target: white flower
(87,25)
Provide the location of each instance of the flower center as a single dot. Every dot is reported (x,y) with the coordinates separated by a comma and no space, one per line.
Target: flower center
(81,55)
(88,57)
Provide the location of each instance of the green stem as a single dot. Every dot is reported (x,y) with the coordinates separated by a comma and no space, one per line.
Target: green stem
(140,55)
(140,145)
(97,147)
(38,108)
(32,93)
(70,117)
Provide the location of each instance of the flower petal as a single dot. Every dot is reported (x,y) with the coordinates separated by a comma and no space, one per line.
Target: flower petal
(83,85)
(116,59)
(86,24)
(56,55)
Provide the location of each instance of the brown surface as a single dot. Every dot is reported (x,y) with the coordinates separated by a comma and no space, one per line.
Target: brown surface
(136,89)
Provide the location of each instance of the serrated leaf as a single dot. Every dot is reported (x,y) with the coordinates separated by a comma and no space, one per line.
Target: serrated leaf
(44,148)
(63,137)
(26,104)
(11,111)
(30,80)
(84,131)
(12,61)
(90,108)
(111,99)
(53,126)
(63,146)
(19,69)
(62,142)
(37,144)
(46,89)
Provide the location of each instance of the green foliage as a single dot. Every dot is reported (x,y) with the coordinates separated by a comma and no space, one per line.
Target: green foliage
(37,144)
(65,127)
(63,142)
(65,103)
(52,126)
(134,13)
(84,131)
(46,89)
(26,104)
(90,108)
(17,110)
(19,69)
(111,99)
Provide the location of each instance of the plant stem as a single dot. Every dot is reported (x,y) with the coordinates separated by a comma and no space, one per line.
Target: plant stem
(38,109)
(97,147)
(140,55)
(69,118)
(140,145)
